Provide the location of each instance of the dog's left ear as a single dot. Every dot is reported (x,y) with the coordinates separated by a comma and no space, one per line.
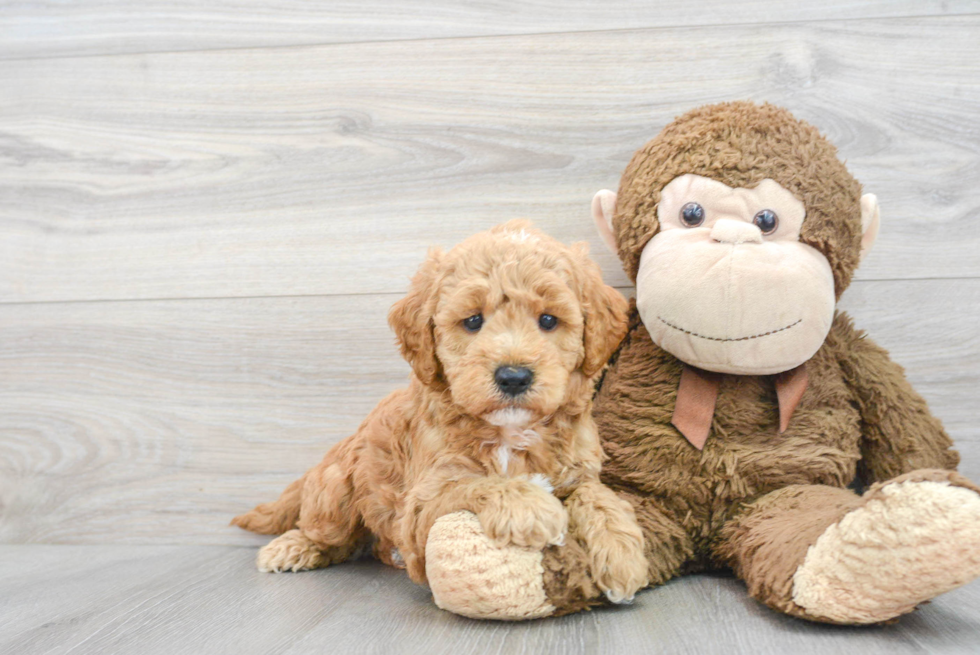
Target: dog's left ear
(605,311)
(412,320)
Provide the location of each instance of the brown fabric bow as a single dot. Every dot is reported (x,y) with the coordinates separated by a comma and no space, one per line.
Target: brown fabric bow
(698,391)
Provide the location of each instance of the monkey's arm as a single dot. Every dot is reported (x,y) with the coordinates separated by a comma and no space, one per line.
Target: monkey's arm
(898,433)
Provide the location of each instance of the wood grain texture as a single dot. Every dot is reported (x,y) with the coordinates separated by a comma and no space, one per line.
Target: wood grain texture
(154,422)
(47,29)
(107,600)
(198,249)
(330,170)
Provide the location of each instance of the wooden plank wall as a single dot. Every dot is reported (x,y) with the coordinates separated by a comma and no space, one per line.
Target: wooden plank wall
(206,210)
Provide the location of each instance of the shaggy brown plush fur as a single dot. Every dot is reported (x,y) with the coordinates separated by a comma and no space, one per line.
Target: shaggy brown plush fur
(453,441)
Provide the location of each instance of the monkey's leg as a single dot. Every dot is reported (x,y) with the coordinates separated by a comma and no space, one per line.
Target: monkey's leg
(826,554)
(471,576)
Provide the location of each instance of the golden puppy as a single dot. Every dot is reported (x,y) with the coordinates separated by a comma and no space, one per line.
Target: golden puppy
(505,334)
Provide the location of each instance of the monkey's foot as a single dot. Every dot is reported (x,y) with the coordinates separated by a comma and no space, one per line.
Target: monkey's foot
(471,576)
(911,541)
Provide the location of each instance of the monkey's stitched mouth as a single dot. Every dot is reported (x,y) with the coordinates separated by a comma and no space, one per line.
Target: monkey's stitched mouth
(754,336)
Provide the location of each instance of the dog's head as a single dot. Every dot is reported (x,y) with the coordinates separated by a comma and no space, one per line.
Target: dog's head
(509,320)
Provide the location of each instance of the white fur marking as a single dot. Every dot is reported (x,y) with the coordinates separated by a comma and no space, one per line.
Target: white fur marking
(397,558)
(522,236)
(618,599)
(503,457)
(542,481)
(511,417)
(514,434)
(513,422)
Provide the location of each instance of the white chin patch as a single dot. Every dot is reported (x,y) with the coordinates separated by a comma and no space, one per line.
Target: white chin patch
(510,417)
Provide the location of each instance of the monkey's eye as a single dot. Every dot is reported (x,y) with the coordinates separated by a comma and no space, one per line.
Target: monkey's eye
(767,221)
(473,323)
(548,322)
(692,214)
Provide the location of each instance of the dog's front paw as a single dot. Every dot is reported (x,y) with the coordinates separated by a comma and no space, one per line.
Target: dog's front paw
(619,566)
(525,515)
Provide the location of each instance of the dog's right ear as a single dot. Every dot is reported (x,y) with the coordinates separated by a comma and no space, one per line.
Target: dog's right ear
(412,320)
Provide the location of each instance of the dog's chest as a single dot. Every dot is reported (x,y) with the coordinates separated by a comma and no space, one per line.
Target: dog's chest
(522,452)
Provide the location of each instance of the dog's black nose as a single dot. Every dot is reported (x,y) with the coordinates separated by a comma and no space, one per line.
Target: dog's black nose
(513,380)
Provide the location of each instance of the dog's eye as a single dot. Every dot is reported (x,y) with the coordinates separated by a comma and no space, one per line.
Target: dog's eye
(473,323)
(548,322)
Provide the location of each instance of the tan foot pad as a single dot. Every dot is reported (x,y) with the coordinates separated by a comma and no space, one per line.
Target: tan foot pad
(911,542)
(471,576)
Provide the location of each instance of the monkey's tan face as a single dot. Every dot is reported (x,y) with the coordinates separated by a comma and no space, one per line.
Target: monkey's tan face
(726,284)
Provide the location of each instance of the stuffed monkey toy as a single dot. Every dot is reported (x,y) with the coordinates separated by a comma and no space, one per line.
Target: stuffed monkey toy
(741,404)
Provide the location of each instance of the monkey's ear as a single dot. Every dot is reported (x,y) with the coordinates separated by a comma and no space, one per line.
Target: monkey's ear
(603,208)
(412,320)
(870,221)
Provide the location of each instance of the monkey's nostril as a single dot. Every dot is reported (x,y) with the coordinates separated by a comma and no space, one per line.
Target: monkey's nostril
(513,380)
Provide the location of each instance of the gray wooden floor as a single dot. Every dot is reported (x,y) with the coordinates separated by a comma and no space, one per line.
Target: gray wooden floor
(209,599)
(206,209)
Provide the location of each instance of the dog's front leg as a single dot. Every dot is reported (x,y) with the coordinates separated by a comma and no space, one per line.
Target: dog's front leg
(606,525)
(511,511)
